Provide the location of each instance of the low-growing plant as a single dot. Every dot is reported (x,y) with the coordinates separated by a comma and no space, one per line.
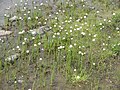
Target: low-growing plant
(68,39)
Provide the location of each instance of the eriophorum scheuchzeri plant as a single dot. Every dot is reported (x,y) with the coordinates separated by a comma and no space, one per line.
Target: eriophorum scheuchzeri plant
(65,37)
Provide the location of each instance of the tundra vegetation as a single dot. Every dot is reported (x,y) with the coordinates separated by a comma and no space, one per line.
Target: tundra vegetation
(61,45)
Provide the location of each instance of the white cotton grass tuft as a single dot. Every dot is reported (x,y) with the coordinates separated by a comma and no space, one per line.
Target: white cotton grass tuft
(85,17)
(70,31)
(95,35)
(20,18)
(75,44)
(29,89)
(33,38)
(81,53)
(27,51)
(53,36)
(33,32)
(109,37)
(23,43)
(98,12)
(17,47)
(23,31)
(114,14)
(41,4)
(104,49)
(16,4)
(35,45)
(63,11)
(94,40)
(77,77)
(29,18)
(35,7)
(71,38)
(117,28)
(40,59)
(20,81)
(83,33)
(94,64)
(70,46)
(28,12)
(36,17)
(39,43)
(25,39)
(109,21)
(75,70)
(104,20)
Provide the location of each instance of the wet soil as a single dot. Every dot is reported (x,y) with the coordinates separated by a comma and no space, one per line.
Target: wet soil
(109,81)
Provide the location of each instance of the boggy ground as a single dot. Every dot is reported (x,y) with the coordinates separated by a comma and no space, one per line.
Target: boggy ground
(41,68)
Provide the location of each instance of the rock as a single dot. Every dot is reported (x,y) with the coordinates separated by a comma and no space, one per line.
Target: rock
(41,30)
(13,18)
(4,33)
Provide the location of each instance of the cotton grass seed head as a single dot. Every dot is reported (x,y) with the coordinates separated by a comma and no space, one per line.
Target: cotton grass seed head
(39,43)
(61,47)
(41,4)
(17,47)
(94,40)
(70,31)
(25,39)
(97,11)
(25,14)
(53,36)
(75,44)
(94,64)
(74,70)
(77,77)
(113,14)
(63,11)
(5,15)
(27,51)
(40,59)
(36,18)
(15,4)
(33,32)
(29,18)
(58,33)
(109,37)
(29,89)
(33,38)
(35,7)
(83,33)
(117,28)
(70,46)
(28,12)
(71,38)
(109,21)
(104,20)
(95,35)
(23,43)
(104,49)
(35,45)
